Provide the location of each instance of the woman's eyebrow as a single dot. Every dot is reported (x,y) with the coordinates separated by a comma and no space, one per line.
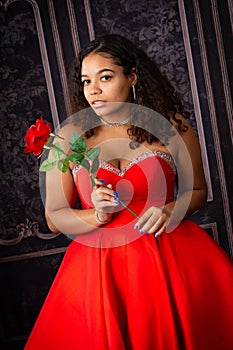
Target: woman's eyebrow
(99,72)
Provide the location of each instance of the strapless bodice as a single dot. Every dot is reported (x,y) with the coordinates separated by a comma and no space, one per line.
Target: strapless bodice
(149,177)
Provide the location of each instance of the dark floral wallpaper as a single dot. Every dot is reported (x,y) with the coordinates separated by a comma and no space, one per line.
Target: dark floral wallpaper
(23,97)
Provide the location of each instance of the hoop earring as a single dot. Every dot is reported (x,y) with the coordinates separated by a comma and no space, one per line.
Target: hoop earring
(134,93)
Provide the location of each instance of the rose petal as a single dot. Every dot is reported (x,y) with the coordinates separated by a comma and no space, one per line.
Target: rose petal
(36,137)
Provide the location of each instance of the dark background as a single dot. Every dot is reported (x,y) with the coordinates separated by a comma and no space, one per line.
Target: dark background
(192,43)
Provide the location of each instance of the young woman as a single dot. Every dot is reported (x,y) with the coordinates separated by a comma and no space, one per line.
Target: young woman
(154,281)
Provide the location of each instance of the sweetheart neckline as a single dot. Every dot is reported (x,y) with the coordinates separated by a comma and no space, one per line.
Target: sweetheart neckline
(140,157)
(137,159)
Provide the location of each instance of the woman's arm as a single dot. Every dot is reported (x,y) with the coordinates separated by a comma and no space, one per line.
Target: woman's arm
(61,198)
(192,191)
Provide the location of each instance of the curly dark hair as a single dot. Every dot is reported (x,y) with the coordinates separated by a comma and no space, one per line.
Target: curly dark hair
(153,89)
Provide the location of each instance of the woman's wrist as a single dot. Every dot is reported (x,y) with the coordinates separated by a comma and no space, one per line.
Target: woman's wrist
(102,218)
(168,208)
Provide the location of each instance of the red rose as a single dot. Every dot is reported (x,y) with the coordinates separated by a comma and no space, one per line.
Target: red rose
(36,137)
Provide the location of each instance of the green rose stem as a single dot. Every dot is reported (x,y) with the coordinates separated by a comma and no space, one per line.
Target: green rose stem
(52,137)
(130,210)
(55,147)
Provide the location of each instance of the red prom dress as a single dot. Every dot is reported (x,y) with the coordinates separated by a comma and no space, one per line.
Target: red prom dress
(117,289)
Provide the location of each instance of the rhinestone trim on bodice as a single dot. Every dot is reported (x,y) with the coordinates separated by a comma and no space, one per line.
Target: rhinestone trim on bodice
(108,166)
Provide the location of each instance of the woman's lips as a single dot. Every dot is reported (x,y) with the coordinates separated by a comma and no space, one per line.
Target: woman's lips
(98,103)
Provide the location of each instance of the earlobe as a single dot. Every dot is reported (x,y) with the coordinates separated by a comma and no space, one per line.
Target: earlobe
(133,76)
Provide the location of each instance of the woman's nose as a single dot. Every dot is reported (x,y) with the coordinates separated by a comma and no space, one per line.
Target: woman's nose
(95,89)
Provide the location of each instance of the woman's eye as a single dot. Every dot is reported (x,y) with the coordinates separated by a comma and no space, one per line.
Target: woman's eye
(85,82)
(106,78)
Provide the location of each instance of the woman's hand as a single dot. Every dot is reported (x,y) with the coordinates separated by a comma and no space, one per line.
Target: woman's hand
(154,220)
(104,199)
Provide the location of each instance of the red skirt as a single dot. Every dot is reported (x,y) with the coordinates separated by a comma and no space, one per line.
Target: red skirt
(174,292)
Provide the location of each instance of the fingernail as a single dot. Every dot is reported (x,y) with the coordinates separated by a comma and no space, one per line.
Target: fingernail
(116,200)
(156,235)
(141,232)
(147,233)
(102,181)
(136,227)
(115,193)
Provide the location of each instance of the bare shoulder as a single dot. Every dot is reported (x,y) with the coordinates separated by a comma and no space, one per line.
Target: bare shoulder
(187,146)
(67,129)
(188,135)
(65,133)
(181,120)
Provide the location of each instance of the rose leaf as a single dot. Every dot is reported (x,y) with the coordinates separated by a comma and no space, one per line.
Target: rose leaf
(76,158)
(95,165)
(77,143)
(47,165)
(63,165)
(93,153)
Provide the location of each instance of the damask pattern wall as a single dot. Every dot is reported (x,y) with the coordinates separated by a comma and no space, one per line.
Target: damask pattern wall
(190,41)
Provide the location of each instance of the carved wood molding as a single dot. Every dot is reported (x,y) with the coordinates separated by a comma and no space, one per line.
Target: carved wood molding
(32,255)
(44,55)
(90,25)
(213,120)
(25,230)
(196,102)
(3,5)
(214,227)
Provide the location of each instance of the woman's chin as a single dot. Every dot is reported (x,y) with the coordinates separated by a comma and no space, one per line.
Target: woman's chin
(112,111)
